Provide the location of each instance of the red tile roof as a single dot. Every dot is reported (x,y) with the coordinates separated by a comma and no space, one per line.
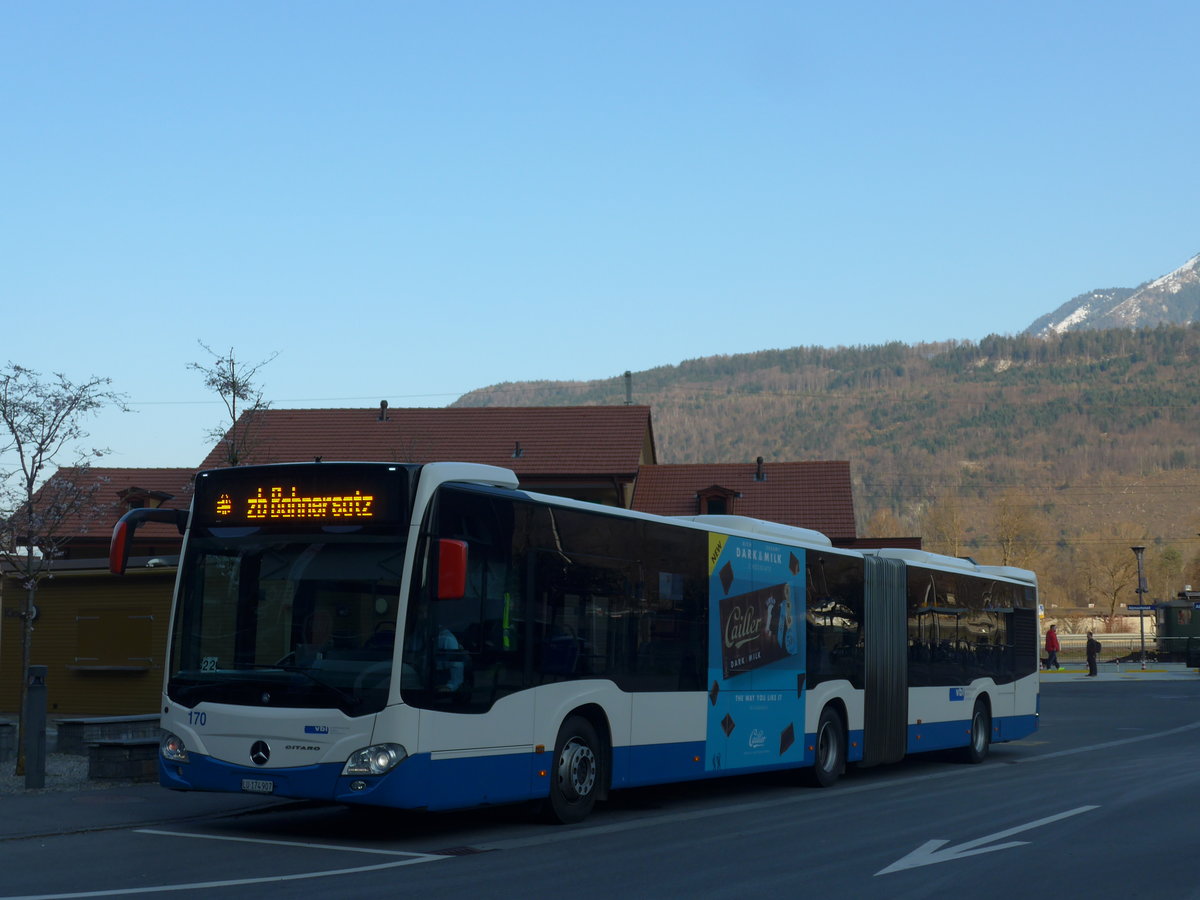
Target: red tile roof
(94,522)
(552,441)
(813,495)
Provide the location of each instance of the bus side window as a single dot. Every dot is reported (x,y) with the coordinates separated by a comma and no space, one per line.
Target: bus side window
(483,621)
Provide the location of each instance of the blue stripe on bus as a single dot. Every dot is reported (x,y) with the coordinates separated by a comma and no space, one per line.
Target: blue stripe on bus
(948,735)
(417,783)
(1013,728)
(421,783)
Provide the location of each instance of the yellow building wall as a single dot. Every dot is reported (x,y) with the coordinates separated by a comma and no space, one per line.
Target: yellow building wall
(102,638)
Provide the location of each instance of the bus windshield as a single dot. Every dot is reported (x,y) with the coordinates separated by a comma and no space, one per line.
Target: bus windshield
(297,620)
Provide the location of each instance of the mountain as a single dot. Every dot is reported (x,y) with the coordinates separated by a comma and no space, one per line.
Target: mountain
(1079,444)
(1173,299)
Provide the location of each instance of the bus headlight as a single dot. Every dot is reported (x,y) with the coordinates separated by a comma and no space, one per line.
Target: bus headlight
(172,749)
(375,760)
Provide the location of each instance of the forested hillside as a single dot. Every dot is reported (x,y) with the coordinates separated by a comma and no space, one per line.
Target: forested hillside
(1055,453)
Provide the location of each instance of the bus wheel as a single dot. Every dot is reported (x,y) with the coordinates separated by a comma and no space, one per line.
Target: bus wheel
(575,777)
(830,761)
(981,734)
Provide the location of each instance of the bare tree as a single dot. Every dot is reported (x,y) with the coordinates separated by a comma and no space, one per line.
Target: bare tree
(1019,529)
(1112,575)
(43,420)
(884,523)
(1166,568)
(945,525)
(233,381)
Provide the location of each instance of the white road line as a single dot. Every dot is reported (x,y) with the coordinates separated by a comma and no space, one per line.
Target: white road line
(1118,743)
(410,860)
(303,844)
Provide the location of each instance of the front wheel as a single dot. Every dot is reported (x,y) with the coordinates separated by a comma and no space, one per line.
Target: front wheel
(980,734)
(575,777)
(830,749)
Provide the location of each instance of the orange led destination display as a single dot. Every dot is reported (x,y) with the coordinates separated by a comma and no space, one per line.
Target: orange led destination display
(299,497)
(276,502)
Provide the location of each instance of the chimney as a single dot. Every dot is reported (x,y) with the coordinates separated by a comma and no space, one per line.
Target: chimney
(759,474)
(382,411)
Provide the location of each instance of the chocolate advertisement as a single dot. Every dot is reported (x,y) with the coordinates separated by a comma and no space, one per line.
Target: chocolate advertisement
(757,629)
(756,654)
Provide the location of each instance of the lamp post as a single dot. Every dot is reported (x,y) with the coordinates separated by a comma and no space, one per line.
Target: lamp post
(1141,589)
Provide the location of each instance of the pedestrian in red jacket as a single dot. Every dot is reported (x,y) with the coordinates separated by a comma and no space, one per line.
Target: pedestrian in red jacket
(1052,648)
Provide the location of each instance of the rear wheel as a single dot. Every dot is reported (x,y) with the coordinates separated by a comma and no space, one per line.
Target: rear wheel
(830,748)
(980,734)
(575,777)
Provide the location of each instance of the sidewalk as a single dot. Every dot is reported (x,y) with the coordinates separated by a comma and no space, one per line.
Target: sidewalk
(1111,671)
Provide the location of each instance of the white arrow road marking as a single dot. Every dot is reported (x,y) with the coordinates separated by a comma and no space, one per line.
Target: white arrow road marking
(930,852)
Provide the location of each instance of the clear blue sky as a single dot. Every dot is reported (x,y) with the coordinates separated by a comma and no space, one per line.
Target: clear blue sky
(411,200)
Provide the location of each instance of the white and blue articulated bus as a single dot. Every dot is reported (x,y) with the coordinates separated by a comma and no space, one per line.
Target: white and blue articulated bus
(433,637)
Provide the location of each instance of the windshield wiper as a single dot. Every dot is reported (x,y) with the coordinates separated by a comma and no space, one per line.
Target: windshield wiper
(349,699)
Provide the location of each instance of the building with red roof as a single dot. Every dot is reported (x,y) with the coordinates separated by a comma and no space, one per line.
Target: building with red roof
(85,531)
(814,495)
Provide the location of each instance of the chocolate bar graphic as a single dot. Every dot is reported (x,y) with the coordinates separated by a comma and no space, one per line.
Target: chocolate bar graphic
(726,575)
(786,739)
(754,629)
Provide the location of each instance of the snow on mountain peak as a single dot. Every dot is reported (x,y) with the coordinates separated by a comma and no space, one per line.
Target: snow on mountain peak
(1172,299)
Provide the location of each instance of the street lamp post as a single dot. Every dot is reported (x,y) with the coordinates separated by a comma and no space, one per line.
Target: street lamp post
(1141,589)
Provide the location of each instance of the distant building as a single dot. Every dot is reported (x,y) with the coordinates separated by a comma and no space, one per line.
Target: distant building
(118,490)
(1179,619)
(814,495)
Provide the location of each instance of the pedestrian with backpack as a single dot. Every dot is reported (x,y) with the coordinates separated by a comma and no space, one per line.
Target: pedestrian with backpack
(1093,651)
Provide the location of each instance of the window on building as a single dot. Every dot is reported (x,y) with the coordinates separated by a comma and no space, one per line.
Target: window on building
(114,638)
(715,501)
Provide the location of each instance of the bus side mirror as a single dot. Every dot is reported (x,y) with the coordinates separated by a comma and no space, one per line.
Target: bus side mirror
(122,536)
(451,569)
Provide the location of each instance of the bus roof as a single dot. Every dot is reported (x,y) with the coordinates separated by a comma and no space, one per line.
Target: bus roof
(939,561)
(761,528)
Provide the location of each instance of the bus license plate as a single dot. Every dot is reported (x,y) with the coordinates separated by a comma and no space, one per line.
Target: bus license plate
(255,786)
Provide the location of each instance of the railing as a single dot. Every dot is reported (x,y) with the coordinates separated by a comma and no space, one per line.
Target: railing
(1126,647)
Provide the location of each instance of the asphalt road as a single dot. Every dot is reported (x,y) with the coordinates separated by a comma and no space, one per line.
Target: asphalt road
(1100,802)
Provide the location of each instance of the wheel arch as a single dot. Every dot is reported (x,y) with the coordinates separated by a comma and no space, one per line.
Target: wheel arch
(979,742)
(829,757)
(596,715)
(838,705)
(984,696)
